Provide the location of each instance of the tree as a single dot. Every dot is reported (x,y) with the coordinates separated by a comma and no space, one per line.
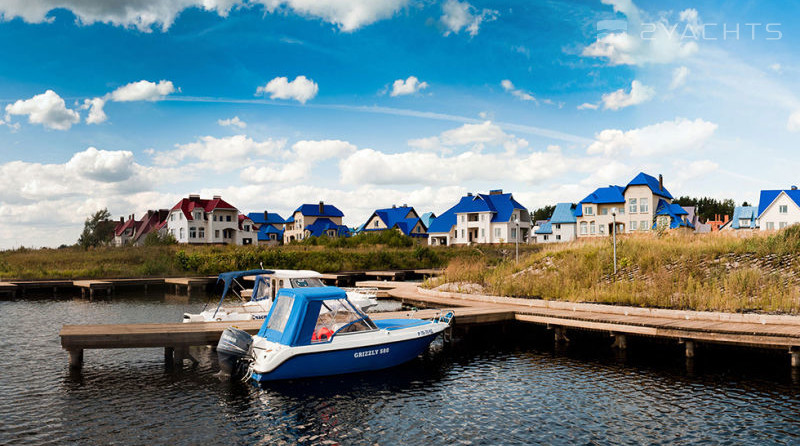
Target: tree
(708,208)
(542,213)
(97,230)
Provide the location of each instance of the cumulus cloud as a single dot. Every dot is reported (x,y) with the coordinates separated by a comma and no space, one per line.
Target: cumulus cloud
(587,106)
(145,15)
(102,165)
(679,76)
(232,122)
(369,166)
(472,136)
(458,15)
(409,86)
(47,109)
(666,137)
(793,124)
(620,99)
(220,154)
(509,87)
(654,42)
(135,91)
(296,164)
(301,89)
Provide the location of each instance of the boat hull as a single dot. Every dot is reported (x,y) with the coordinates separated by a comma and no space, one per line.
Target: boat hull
(348,360)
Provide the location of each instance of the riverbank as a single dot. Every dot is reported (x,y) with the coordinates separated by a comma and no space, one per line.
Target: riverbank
(714,272)
(183,260)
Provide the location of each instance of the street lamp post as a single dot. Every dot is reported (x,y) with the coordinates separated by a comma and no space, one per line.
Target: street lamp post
(516,238)
(614,236)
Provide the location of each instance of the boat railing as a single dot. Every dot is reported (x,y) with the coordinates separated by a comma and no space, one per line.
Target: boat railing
(370,291)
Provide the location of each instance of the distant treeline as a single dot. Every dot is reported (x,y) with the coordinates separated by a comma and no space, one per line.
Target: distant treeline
(708,208)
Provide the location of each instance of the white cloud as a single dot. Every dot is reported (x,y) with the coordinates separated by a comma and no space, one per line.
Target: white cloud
(409,86)
(473,136)
(458,15)
(654,42)
(587,106)
(232,122)
(145,15)
(679,76)
(135,91)
(776,67)
(47,109)
(509,87)
(142,91)
(220,154)
(666,137)
(793,124)
(102,165)
(620,99)
(277,173)
(322,149)
(298,161)
(301,89)
(369,166)
(690,170)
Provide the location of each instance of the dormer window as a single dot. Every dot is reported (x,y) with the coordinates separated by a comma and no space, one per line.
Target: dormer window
(783,209)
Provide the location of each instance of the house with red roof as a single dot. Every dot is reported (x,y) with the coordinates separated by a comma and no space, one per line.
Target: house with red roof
(133,232)
(196,220)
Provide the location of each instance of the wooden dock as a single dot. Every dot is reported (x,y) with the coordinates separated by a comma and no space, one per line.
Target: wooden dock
(190,282)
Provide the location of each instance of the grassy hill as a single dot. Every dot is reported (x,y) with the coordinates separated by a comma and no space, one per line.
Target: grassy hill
(721,272)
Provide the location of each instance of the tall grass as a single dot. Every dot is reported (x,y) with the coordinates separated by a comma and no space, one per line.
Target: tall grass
(682,271)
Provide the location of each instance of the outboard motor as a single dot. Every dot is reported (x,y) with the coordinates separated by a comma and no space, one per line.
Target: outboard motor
(233,350)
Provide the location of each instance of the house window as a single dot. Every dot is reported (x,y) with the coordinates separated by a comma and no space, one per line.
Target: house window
(246,228)
(588,210)
(744,222)
(497,232)
(632,205)
(558,226)
(483,233)
(215,218)
(558,237)
(782,225)
(462,234)
(643,205)
(621,209)
(584,226)
(592,228)
(463,218)
(202,232)
(182,236)
(783,209)
(633,225)
(229,218)
(604,211)
(172,217)
(197,215)
(514,233)
(770,225)
(601,229)
(216,233)
(643,225)
(376,223)
(192,232)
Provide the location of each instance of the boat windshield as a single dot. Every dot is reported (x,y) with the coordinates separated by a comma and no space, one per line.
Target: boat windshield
(280,313)
(261,290)
(339,316)
(307,282)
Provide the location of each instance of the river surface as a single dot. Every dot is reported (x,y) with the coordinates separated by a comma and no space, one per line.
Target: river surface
(487,389)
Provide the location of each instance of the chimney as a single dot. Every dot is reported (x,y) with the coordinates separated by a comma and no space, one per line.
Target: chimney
(496,192)
(266,215)
(394,206)
(660,182)
(321,208)
(193,197)
(469,194)
(794,187)
(405,205)
(726,219)
(217,197)
(122,219)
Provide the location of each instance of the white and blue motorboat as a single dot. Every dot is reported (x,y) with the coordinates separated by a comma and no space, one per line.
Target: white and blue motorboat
(313,332)
(266,284)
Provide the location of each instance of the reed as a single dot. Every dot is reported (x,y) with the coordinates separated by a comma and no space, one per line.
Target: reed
(721,272)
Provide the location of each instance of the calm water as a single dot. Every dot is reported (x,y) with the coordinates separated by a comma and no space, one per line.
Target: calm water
(491,390)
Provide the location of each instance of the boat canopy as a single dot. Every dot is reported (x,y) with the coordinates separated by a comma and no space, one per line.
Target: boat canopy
(305,316)
(230,276)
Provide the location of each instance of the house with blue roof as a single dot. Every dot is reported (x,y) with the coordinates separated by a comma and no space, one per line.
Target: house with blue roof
(633,207)
(744,218)
(403,218)
(671,216)
(560,227)
(778,209)
(427,219)
(270,227)
(315,220)
(495,217)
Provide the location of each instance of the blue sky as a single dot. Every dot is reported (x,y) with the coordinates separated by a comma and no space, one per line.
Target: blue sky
(369,103)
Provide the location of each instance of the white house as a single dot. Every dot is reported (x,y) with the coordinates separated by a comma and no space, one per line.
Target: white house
(635,206)
(561,227)
(196,220)
(483,218)
(778,209)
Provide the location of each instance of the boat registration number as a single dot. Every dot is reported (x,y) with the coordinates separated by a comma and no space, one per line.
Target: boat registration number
(425,332)
(377,351)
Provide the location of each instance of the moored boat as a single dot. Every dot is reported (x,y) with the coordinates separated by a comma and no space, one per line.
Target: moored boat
(317,332)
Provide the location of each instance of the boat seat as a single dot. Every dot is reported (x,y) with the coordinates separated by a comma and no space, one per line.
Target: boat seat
(396,324)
